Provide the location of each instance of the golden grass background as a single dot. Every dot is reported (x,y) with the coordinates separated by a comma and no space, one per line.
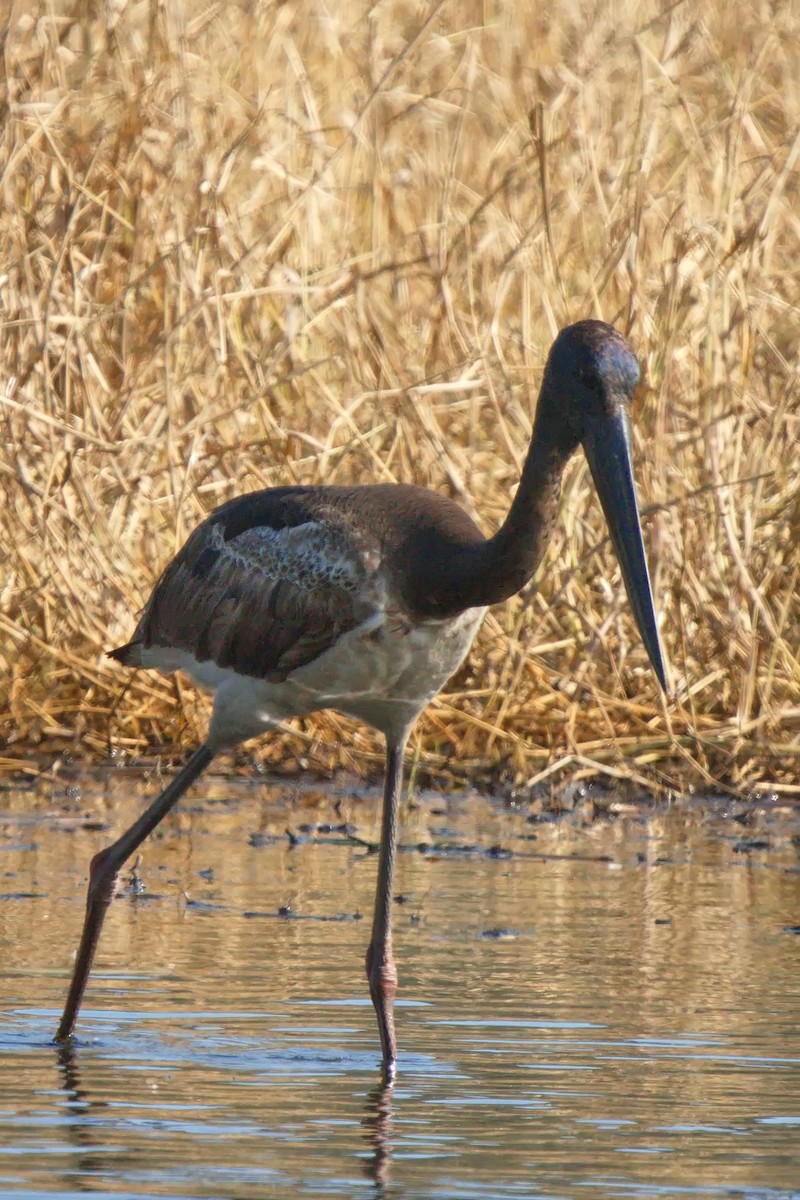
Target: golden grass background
(246,244)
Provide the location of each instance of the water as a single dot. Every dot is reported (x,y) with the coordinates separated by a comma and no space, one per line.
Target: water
(605,1010)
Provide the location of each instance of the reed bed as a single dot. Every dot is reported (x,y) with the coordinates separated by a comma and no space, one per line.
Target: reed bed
(256,243)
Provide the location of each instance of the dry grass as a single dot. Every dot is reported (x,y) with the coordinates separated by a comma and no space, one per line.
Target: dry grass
(245,244)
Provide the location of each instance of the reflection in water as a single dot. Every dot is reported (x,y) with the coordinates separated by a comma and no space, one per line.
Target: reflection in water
(378,1123)
(76,1098)
(633,1032)
(79,1112)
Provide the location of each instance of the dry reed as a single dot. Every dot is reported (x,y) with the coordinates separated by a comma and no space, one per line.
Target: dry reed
(245,244)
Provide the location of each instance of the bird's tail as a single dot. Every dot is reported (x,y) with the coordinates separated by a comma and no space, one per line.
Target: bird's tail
(129,655)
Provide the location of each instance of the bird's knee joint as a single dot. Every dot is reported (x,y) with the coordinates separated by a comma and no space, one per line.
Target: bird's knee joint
(382,975)
(102,875)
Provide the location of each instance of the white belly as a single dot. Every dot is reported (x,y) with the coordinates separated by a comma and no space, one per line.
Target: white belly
(386,675)
(384,672)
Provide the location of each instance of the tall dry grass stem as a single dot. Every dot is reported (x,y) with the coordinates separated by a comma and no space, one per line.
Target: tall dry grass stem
(252,243)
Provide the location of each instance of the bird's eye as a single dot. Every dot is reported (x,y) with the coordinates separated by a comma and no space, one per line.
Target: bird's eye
(590,379)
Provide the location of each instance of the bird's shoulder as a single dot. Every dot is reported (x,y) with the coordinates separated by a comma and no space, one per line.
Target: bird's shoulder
(271,580)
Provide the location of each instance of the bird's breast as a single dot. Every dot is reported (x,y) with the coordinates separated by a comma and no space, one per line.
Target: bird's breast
(388,668)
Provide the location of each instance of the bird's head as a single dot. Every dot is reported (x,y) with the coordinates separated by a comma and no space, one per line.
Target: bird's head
(590,378)
(588,386)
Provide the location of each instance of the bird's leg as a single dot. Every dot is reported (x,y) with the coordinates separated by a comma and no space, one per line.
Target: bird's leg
(103,876)
(381,971)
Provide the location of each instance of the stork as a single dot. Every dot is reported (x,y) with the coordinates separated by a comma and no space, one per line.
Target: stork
(366,600)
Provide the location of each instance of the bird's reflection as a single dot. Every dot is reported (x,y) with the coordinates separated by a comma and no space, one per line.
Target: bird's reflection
(69,1069)
(82,1133)
(377,1123)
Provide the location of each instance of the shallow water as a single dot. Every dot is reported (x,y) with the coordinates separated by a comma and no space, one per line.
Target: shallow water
(608,1010)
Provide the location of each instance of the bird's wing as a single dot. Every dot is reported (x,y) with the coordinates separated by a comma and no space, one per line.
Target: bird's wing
(261,600)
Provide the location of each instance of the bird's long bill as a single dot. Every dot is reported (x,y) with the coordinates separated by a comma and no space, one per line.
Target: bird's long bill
(608,449)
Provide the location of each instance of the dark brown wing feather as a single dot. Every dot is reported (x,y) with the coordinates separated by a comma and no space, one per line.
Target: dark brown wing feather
(265,585)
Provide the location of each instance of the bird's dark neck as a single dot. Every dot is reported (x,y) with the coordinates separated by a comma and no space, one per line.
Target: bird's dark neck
(511,557)
(492,570)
